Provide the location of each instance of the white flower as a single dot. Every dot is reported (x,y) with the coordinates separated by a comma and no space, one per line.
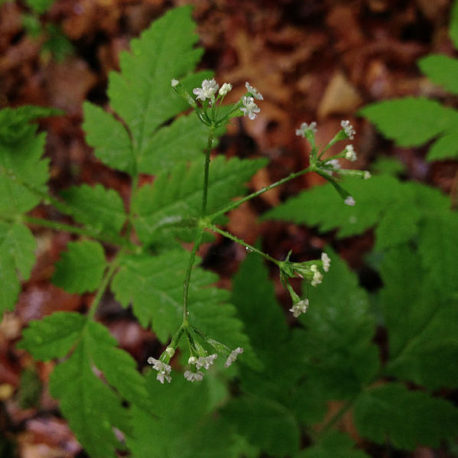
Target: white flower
(162,368)
(350,201)
(299,307)
(206,362)
(334,163)
(174,82)
(208,90)
(253,91)
(225,89)
(348,129)
(366,175)
(249,109)
(326,261)
(317,275)
(350,154)
(193,376)
(233,356)
(304,128)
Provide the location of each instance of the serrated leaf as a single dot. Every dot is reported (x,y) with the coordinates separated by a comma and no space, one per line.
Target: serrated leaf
(445,147)
(163,52)
(339,330)
(53,336)
(182,425)
(96,206)
(174,199)
(265,423)
(154,286)
(15,125)
(184,140)
(17,257)
(454,24)
(383,411)
(411,121)
(333,445)
(109,138)
(80,268)
(441,70)
(22,171)
(421,322)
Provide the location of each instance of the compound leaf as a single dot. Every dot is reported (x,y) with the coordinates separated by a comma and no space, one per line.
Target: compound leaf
(96,206)
(421,321)
(335,445)
(339,329)
(441,70)
(445,147)
(411,121)
(80,268)
(174,199)
(382,411)
(53,336)
(454,24)
(182,425)
(17,257)
(154,286)
(40,6)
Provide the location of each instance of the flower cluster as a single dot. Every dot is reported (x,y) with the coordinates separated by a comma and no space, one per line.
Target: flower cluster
(163,369)
(208,98)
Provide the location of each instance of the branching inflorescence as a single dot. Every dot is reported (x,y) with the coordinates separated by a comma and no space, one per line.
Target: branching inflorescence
(207,103)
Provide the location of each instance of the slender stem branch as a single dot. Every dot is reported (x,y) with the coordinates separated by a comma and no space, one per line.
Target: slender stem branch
(239,202)
(112,266)
(113,239)
(214,228)
(206,172)
(187,280)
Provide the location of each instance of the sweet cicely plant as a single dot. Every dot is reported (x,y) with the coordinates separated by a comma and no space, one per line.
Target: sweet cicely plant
(164,120)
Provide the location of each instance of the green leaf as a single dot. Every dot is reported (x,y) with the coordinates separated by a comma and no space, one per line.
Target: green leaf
(53,336)
(409,418)
(174,199)
(97,207)
(154,286)
(163,52)
(441,70)
(40,6)
(333,445)
(182,425)
(182,141)
(14,122)
(265,423)
(454,24)
(80,268)
(109,138)
(388,166)
(23,175)
(411,121)
(17,257)
(445,147)
(421,322)
(339,330)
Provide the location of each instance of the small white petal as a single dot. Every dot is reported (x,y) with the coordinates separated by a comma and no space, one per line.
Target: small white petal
(366,175)
(350,201)
(174,83)
(304,128)
(249,108)
(233,356)
(348,129)
(253,91)
(225,89)
(350,154)
(326,261)
(299,307)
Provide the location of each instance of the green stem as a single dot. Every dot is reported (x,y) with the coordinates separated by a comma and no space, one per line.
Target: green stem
(214,228)
(187,280)
(239,202)
(112,239)
(112,266)
(206,172)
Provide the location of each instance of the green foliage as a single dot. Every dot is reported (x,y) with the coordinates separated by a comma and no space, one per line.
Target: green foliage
(17,257)
(139,145)
(81,267)
(408,418)
(39,6)
(182,426)
(154,286)
(91,406)
(98,207)
(412,121)
(335,445)
(166,208)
